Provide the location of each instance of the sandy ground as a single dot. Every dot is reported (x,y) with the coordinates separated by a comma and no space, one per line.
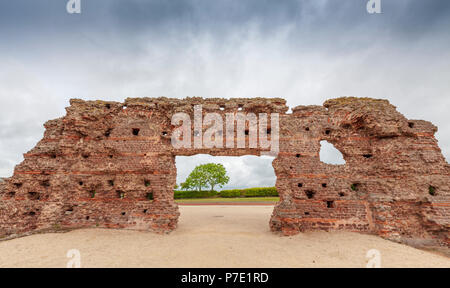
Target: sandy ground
(212,236)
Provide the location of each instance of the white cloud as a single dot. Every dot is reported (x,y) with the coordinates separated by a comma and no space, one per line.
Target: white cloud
(330,155)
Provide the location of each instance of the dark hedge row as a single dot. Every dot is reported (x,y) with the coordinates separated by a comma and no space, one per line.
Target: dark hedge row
(235,193)
(194,194)
(249,192)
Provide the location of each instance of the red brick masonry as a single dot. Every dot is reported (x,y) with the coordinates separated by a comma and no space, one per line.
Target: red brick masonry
(100,164)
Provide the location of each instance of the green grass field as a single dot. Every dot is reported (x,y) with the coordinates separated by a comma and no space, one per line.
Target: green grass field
(230,200)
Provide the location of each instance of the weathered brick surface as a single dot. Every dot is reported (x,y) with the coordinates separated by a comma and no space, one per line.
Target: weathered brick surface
(90,170)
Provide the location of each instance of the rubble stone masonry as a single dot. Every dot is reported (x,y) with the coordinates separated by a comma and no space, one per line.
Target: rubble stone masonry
(111,164)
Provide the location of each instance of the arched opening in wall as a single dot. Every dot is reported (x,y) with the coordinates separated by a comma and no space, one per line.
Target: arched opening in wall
(330,155)
(244,203)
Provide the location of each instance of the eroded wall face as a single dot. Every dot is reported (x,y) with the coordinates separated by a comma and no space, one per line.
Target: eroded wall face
(395,182)
(110,164)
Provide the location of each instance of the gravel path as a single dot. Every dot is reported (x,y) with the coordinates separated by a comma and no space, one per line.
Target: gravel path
(212,236)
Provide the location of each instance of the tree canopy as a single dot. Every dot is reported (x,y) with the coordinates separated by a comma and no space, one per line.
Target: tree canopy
(205,175)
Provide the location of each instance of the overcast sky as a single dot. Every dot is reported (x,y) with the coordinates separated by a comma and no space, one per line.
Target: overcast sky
(304,51)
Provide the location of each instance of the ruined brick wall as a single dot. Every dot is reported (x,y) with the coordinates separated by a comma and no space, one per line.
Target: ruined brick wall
(395,182)
(110,164)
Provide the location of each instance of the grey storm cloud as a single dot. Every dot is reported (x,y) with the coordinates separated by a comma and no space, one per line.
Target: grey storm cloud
(406,18)
(304,51)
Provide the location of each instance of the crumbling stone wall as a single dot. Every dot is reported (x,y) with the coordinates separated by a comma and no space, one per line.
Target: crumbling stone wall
(111,164)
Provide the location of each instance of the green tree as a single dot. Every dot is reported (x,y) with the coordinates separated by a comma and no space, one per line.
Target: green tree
(205,175)
(195,180)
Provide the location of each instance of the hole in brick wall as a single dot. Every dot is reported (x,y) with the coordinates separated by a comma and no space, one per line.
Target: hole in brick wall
(306,128)
(110,156)
(108,106)
(341,194)
(432,190)
(149,196)
(120,194)
(243,171)
(45,183)
(123,213)
(310,194)
(92,193)
(355,186)
(80,183)
(85,155)
(164,133)
(367,155)
(18,185)
(327,131)
(297,155)
(145,210)
(329,154)
(411,125)
(88,217)
(346,126)
(147,183)
(33,195)
(324,185)
(69,209)
(53,155)
(108,132)
(111,182)
(135,131)
(11,194)
(246,132)
(300,185)
(31,213)
(330,204)
(306,213)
